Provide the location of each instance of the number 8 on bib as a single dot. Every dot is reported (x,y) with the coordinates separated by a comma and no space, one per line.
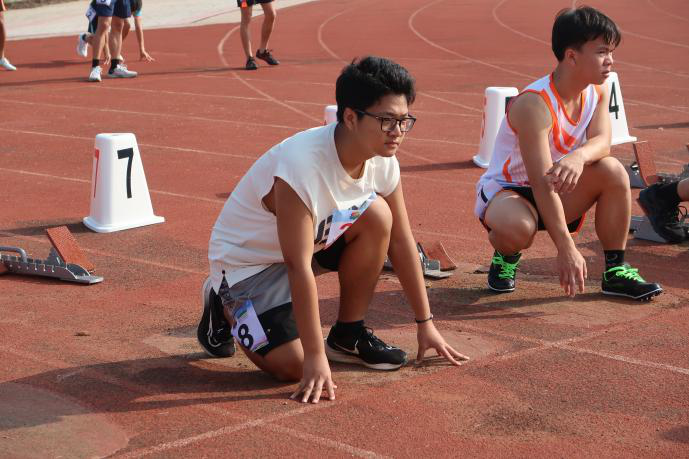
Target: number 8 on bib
(247,329)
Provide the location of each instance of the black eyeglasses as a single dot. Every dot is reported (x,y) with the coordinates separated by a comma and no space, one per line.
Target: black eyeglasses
(389,124)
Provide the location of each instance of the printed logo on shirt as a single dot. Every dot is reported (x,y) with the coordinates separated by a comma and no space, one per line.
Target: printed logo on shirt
(330,229)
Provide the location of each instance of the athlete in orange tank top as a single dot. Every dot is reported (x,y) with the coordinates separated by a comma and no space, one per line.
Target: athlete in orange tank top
(552,163)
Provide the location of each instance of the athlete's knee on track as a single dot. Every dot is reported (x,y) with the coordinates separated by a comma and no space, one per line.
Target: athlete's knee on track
(613,173)
(377,219)
(514,233)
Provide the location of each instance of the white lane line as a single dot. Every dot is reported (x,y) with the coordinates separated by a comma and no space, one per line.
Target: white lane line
(144,391)
(327,49)
(547,43)
(410,24)
(646,37)
(78,180)
(220,47)
(676,16)
(622,358)
(152,114)
(567,343)
(335,56)
(191,150)
(150,145)
(264,99)
(335,444)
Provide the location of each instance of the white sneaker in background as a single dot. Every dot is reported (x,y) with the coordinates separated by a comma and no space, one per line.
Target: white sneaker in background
(5,63)
(95,74)
(82,46)
(122,72)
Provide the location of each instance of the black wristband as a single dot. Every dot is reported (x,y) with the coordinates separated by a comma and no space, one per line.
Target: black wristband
(424,320)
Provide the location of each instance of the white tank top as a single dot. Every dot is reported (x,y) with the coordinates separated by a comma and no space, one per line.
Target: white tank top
(506,166)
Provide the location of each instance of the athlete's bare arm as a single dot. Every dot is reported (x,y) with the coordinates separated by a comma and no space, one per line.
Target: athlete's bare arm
(295,232)
(405,259)
(532,120)
(565,174)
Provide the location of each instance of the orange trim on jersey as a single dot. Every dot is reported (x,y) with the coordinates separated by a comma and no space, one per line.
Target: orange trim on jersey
(556,125)
(569,140)
(562,106)
(505,170)
(507,110)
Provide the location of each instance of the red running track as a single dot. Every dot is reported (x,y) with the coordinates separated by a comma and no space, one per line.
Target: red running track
(114,369)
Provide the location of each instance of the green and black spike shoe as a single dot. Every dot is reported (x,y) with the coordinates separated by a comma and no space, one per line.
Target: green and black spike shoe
(503,272)
(625,281)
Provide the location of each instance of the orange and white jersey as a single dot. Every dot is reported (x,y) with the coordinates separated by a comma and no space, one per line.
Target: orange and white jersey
(506,166)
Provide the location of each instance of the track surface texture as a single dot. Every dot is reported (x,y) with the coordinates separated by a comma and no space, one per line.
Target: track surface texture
(113,369)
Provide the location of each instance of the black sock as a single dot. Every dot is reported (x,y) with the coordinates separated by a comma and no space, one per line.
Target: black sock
(114,63)
(510,258)
(95,63)
(668,193)
(613,258)
(347,329)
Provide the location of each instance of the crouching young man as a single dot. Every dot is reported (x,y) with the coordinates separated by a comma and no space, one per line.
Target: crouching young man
(552,163)
(329,198)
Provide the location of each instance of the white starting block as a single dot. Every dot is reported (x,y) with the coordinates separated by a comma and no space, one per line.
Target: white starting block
(494,106)
(119,192)
(496,99)
(618,117)
(330,114)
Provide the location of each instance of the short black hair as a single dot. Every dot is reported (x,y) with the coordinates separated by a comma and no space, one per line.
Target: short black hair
(575,26)
(365,81)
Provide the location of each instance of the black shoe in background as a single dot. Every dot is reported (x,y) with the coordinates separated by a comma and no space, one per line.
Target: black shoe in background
(664,217)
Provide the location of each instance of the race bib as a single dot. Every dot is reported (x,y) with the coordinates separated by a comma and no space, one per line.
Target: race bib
(343,219)
(90,13)
(247,329)
(104,2)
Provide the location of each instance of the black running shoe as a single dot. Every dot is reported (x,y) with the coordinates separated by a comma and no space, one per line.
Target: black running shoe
(366,349)
(214,331)
(664,217)
(502,275)
(266,56)
(251,64)
(624,280)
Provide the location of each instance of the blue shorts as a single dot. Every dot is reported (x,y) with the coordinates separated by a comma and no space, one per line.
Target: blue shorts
(109,8)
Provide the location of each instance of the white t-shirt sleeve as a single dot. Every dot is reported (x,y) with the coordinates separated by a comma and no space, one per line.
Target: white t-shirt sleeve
(387,175)
(299,178)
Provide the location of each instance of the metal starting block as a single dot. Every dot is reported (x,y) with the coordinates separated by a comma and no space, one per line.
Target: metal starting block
(432,268)
(645,172)
(59,263)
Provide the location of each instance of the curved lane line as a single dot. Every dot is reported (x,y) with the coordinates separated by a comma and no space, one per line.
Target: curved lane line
(220,47)
(676,16)
(631,64)
(327,49)
(410,23)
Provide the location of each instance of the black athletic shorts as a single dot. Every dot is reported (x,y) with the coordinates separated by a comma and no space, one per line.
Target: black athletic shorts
(248,3)
(278,323)
(527,193)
